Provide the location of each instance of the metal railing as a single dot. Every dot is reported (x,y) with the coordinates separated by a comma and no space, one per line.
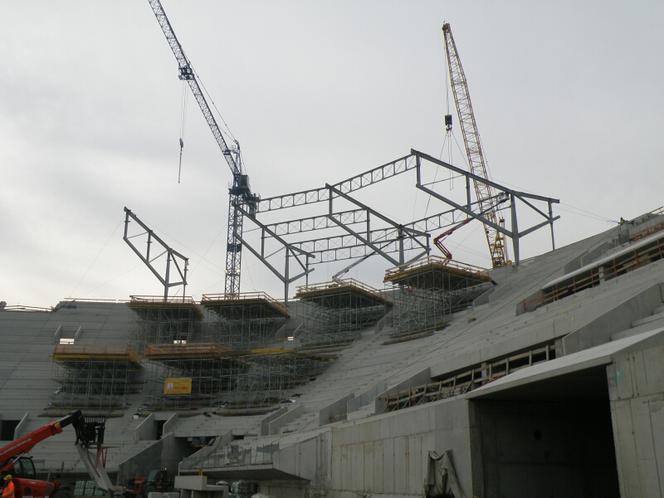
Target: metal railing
(239,297)
(22,308)
(230,456)
(338,284)
(161,300)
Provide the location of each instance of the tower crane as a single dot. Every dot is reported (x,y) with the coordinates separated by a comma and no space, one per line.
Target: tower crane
(240,196)
(471,138)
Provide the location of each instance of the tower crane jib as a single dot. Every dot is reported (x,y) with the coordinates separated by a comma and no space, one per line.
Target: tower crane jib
(240,194)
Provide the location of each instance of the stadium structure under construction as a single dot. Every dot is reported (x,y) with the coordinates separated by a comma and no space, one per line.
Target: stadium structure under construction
(542,375)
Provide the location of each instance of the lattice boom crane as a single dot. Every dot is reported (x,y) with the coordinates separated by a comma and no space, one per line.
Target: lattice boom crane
(473,145)
(240,193)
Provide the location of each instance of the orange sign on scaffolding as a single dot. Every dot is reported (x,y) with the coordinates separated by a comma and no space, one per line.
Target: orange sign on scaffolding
(177,385)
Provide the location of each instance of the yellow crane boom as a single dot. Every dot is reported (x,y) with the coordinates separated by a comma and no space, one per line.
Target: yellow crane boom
(471,139)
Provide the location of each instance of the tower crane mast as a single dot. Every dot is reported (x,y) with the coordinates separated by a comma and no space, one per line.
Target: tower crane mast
(471,139)
(240,194)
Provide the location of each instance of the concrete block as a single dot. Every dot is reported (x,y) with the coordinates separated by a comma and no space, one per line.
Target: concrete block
(196,483)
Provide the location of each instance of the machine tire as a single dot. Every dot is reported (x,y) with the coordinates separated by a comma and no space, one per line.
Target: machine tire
(64,492)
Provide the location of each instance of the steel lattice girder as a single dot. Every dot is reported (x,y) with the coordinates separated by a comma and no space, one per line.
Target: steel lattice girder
(392,237)
(357,182)
(179,262)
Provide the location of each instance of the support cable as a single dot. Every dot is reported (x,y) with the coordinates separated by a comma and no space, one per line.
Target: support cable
(227,130)
(96,258)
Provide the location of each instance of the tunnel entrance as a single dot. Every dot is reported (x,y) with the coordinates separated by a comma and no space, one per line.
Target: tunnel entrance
(551,439)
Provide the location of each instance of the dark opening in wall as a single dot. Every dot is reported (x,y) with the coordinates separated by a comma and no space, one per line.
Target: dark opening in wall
(7,428)
(551,438)
(160,428)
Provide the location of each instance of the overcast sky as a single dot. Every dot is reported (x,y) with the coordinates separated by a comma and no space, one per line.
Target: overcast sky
(568,98)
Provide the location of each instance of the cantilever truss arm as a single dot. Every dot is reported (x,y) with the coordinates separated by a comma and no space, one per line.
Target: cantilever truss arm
(401,230)
(300,256)
(504,193)
(173,258)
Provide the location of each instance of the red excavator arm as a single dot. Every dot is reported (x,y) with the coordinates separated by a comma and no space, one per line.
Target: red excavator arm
(438,241)
(24,444)
(89,436)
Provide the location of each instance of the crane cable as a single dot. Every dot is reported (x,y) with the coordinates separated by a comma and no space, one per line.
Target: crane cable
(225,130)
(446,141)
(182,125)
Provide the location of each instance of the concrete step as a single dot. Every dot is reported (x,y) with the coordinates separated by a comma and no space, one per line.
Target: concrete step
(643,327)
(304,420)
(658,310)
(648,319)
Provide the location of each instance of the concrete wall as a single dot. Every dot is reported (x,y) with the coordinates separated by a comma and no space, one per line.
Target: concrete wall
(283,419)
(636,391)
(287,489)
(141,464)
(418,379)
(308,459)
(147,429)
(617,319)
(335,411)
(388,455)
(384,456)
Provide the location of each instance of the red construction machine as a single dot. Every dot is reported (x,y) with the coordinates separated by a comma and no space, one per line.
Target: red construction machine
(89,434)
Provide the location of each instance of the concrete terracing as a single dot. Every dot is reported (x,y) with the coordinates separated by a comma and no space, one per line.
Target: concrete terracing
(333,435)
(335,414)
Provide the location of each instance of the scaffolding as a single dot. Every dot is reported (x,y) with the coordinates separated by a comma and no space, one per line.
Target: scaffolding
(426,293)
(244,321)
(193,376)
(269,377)
(174,320)
(95,377)
(333,313)
(189,381)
